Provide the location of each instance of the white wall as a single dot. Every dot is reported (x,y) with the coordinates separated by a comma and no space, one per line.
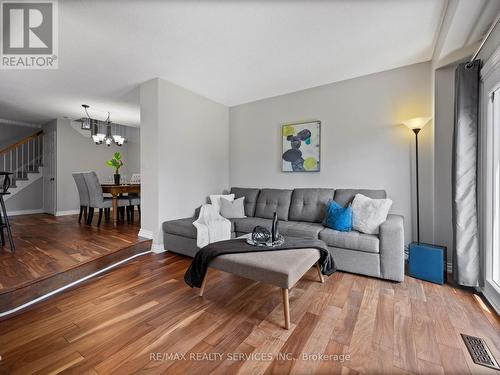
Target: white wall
(77,153)
(363,144)
(184,152)
(150,205)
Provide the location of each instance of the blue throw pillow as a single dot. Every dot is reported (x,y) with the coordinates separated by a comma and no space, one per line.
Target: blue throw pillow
(338,217)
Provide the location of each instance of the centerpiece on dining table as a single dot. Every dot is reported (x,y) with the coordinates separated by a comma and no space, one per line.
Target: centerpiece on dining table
(116,163)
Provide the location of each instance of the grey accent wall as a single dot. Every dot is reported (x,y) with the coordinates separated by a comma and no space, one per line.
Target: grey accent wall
(30,198)
(10,134)
(76,153)
(184,153)
(444,92)
(133,150)
(363,144)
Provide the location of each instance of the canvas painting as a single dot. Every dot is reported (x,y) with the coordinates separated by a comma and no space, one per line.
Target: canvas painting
(301,147)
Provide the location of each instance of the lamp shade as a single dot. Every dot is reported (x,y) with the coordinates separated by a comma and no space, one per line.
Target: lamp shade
(417,122)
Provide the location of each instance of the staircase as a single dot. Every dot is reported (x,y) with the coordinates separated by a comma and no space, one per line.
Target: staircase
(24,160)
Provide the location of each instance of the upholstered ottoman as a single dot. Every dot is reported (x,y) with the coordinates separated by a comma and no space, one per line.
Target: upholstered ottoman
(281,268)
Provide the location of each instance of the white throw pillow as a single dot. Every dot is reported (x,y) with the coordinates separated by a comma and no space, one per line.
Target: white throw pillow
(215,200)
(232,209)
(368,214)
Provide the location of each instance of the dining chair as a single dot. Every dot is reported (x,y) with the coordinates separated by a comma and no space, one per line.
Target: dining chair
(97,199)
(134,201)
(83,192)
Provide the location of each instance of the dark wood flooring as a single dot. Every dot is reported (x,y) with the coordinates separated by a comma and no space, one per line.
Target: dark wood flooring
(54,251)
(143,318)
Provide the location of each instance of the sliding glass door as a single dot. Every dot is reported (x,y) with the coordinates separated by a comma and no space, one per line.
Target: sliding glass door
(490,188)
(493,273)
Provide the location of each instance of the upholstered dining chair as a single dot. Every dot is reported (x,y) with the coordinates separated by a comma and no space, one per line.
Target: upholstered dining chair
(83,192)
(134,200)
(97,199)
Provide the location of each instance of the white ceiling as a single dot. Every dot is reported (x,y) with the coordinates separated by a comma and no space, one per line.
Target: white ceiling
(230,51)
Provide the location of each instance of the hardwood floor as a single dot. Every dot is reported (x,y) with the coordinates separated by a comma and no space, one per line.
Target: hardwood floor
(53,251)
(142,317)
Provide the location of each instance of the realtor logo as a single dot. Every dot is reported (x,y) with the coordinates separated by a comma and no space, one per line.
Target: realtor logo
(29,34)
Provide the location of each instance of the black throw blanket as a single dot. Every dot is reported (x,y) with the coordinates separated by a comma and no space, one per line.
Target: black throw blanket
(197,270)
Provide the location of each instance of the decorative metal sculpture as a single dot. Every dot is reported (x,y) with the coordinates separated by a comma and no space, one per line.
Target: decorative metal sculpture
(275,233)
(260,235)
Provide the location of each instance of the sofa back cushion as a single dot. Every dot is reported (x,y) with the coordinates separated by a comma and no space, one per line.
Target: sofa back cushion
(250,195)
(309,204)
(271,201)
(346,196)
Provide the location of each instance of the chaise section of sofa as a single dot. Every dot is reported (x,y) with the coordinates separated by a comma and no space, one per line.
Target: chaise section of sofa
(301,212)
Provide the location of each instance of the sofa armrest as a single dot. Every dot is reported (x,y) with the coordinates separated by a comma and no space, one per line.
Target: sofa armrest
(392,248)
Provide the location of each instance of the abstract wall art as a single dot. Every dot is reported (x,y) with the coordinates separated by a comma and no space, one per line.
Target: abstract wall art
(301,147)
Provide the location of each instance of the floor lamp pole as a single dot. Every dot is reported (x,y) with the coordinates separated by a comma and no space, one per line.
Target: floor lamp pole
(416,170)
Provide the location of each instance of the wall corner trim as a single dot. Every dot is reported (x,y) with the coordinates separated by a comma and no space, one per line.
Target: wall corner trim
(25,212)
(157,248)
(146,233)
(69,212)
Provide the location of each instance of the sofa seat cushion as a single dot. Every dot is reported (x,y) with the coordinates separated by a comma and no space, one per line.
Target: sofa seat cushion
(247,224)
(350,240)
(281,268)
(300,229)
(185,227)
(181,227)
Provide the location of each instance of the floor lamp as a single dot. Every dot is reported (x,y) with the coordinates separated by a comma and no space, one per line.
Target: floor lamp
(425,261)
(416,124)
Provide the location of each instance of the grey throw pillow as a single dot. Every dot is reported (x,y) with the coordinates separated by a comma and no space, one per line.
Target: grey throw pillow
(232,209)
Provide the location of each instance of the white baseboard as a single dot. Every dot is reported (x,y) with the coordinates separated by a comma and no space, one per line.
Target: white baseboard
(69,212)
(146,233)
(157,248)
(25,212)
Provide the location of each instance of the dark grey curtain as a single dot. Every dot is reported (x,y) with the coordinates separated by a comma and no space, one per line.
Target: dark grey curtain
(466,257)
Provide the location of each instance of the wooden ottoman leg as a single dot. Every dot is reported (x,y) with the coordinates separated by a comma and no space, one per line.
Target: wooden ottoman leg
(202,289)
(286,307)
(320,275)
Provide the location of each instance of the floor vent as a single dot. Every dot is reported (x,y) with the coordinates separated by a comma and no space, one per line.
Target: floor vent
(479,352)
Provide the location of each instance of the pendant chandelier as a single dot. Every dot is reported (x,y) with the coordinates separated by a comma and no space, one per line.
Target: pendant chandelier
(103,132)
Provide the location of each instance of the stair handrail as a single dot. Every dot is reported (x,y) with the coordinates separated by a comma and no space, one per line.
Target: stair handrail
(21,142)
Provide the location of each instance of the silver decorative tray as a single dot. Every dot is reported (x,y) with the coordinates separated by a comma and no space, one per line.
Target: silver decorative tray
(280,241)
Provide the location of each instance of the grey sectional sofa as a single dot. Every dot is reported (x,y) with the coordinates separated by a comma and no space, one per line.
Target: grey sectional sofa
(301,212)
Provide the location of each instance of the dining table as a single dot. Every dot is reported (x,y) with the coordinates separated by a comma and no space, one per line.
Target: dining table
(116,191)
